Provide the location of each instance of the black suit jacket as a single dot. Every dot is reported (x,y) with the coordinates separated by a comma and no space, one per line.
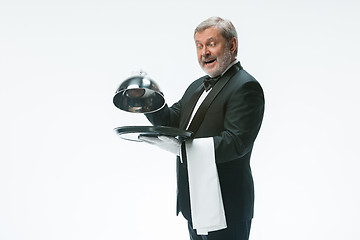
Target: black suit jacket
(233,120)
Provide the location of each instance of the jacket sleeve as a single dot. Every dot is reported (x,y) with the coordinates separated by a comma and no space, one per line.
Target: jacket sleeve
(167,116)
(243,116)
(170,116)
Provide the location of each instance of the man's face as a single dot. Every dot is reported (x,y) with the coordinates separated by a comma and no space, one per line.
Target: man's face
(213,52)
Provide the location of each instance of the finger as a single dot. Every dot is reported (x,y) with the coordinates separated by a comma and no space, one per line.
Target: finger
(152,140)
(168,139)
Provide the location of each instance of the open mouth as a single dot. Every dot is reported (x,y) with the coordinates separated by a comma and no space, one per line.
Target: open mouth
(209,61)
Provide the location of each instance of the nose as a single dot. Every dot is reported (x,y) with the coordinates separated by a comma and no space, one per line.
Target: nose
(205,51)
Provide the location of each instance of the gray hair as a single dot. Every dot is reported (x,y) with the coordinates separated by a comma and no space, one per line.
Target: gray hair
(226,28)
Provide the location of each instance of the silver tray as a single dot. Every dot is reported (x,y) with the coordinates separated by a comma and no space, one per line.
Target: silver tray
(132,133)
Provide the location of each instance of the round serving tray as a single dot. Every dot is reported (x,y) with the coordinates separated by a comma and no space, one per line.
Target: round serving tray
(132,133)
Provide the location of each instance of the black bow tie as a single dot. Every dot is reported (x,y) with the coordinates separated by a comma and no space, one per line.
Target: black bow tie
(210,82)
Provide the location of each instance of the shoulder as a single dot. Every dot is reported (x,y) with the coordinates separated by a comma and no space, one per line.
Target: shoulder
(242,77)
(197,82)
(194,86)
(243,81)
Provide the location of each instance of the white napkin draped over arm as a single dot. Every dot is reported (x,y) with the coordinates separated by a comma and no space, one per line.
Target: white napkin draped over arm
(206,202)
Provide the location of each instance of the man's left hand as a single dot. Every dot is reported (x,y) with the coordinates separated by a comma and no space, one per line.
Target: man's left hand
(170,144)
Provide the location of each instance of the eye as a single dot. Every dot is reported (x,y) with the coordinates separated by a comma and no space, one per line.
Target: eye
(199,46)
(212,44)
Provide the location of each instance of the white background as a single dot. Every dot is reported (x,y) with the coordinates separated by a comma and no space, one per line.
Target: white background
(64,174)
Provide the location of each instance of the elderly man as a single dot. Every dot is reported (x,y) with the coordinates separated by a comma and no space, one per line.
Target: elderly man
(225,111)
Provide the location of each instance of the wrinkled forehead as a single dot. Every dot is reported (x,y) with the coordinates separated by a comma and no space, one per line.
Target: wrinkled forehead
(208,34)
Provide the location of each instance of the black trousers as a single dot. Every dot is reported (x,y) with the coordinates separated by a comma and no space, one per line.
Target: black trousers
(234,231)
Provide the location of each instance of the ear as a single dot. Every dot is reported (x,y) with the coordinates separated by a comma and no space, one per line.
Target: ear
(233,45)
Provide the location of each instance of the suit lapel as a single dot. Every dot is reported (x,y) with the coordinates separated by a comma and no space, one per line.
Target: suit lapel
(200,114)
(191,105)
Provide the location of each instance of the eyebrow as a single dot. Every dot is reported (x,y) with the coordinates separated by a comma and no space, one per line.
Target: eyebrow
(207,40)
